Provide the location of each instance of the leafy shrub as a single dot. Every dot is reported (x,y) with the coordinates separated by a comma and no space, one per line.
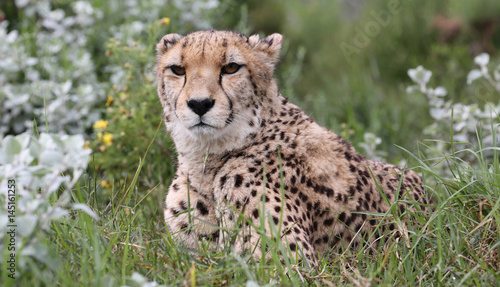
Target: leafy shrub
(41,172)
(133,114)
(465,120)
(48,75)
(52,71)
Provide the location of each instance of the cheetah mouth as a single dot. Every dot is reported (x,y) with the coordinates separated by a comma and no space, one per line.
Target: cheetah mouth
(201,125)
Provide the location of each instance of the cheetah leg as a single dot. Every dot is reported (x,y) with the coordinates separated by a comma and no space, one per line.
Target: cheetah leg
(247,238)
(190,217)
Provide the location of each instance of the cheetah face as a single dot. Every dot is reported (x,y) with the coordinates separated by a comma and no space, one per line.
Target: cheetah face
(206,82)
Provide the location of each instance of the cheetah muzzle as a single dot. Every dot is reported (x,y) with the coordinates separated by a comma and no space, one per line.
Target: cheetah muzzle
(241,145)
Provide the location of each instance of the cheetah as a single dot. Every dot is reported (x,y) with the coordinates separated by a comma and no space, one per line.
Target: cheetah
(245,150)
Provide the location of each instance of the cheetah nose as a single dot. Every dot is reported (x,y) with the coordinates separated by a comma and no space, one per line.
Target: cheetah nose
(201,107)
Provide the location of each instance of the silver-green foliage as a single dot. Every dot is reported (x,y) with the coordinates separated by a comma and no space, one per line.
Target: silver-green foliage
(47,71)
(465,120)
(36,170)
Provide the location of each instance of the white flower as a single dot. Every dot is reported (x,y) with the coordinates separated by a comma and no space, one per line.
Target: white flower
(496,74)
(142,281)
(438,114)
(12,36)
(22,3)
(474,75)
(371,138)
(482,59)
(420,75)
(412,89)
(83,7)
(31,61)
(436,102)
(440,91)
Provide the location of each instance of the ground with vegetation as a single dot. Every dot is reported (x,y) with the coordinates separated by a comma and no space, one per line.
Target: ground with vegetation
(415,83)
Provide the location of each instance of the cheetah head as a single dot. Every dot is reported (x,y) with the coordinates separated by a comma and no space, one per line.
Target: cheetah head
(214,86)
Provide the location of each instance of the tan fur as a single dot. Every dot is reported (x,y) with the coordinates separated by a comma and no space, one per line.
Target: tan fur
(326,183)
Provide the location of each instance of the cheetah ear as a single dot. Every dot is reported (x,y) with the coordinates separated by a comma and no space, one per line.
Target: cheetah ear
(271,45)
(166,43)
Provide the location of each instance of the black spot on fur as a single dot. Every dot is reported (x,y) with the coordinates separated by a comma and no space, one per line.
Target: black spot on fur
(184,227)
(183,205)
(255,213)
(342,217)
(223,180)
(347,156)
(202,208)
(328,222)
(238,180)
(276,220)
(309,183)
(329,192)
(350,219)
(309,206)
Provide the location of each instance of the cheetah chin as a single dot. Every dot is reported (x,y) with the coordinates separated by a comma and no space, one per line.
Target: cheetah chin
(242,146)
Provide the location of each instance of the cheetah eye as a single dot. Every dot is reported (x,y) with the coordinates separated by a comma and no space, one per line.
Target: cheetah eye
(178,70)
(230,68)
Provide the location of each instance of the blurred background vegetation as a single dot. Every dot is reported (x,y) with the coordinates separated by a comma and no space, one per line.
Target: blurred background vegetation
(364,88)
(344,62)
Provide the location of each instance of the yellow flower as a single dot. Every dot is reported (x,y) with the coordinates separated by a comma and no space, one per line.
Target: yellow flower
(123,111)
(86,145)
(109,101)
(123,96)
(165,21)
(107,139)
(100,124)
(106,183)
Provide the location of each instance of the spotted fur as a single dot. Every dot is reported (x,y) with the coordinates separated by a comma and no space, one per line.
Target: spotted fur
(253,148)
